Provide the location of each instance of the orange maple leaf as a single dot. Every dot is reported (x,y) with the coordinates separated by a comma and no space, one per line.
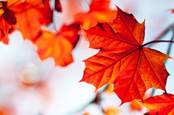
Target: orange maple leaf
(161,104)
(58,45)
(98,12)
(26,15)
(123,59)
(31,15)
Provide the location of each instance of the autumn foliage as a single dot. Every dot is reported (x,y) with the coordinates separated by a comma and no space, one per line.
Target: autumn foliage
(58,45)
(120,42)
(19,14)
(123,59)
(98,12)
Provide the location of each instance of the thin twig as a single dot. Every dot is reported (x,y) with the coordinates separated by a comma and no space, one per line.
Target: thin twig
(158,41)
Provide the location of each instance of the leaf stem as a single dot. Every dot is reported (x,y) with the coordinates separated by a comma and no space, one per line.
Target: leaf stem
(158,41)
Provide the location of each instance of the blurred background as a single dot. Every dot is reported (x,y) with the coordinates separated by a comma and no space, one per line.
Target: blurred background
(29,86)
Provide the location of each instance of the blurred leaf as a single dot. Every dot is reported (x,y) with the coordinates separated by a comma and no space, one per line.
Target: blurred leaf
(26,15)
(58,45)
(99,12)
(31,15)
(6,110)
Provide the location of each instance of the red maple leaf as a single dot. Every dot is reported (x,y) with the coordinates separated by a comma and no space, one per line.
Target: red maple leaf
(160,105)
(123,59)
(58,45)
(98,12)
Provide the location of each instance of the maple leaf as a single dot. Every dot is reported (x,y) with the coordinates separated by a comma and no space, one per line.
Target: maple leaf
(58,6)
(161,104)
(99,12)
(31,15)
(7,21)
(26,15)
(123,59)
(58,45)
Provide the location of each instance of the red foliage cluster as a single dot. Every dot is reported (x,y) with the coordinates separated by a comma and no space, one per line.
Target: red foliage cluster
(122,60)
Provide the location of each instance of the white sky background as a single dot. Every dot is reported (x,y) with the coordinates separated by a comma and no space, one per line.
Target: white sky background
(65,94)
